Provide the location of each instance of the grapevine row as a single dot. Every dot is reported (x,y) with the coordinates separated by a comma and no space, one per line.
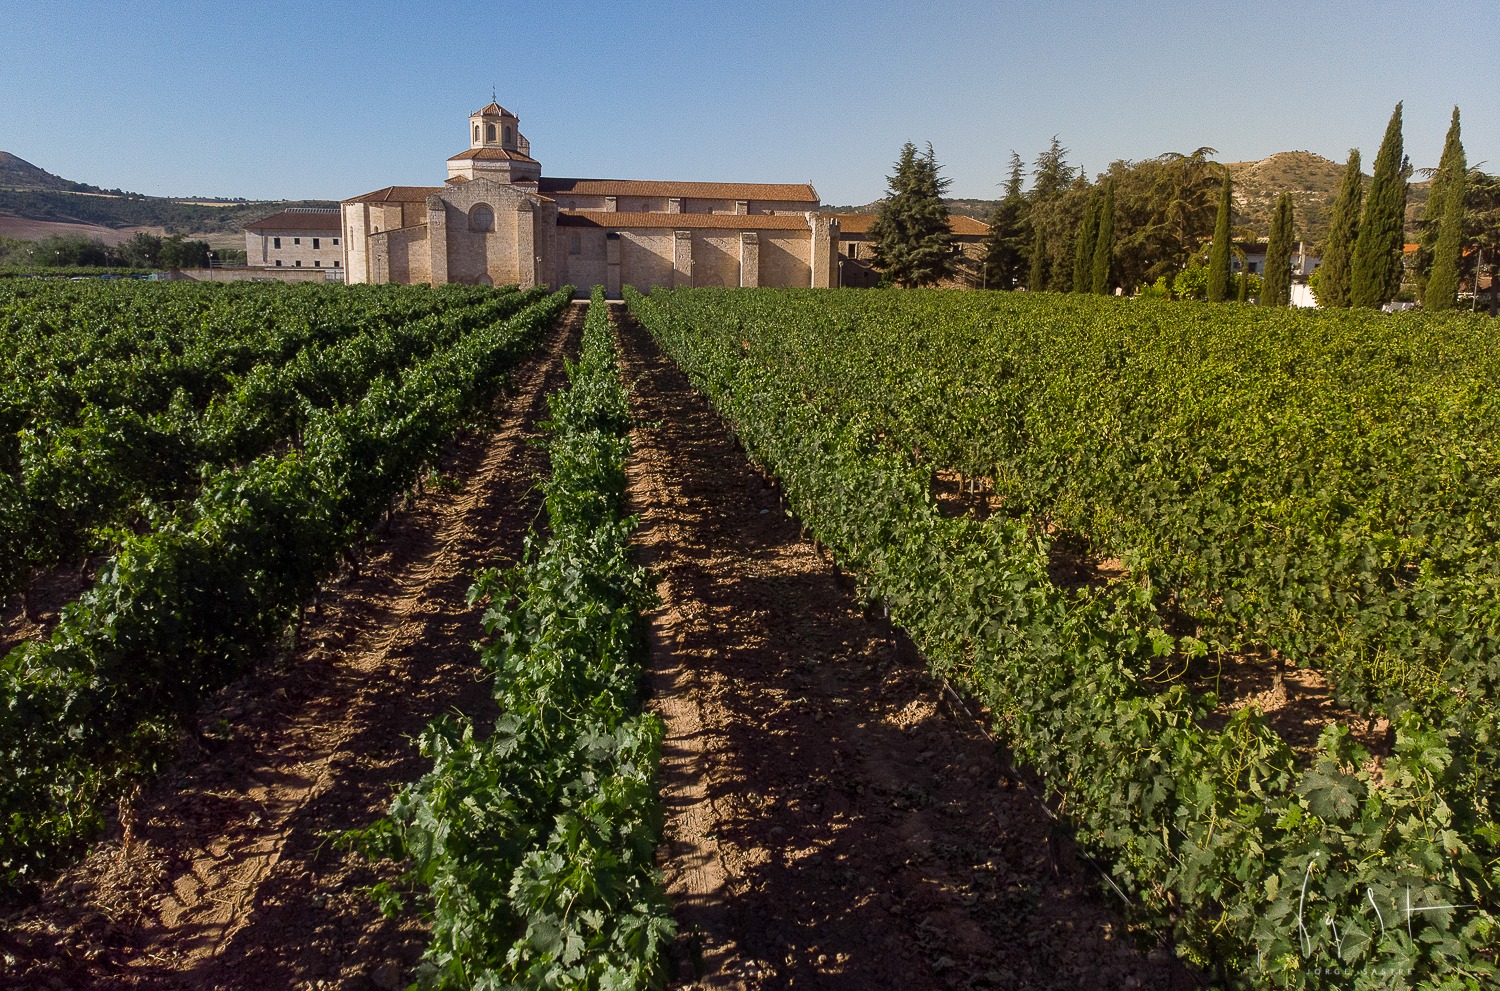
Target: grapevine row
(78,480)
(1270,874)
(185,607)
(532,849)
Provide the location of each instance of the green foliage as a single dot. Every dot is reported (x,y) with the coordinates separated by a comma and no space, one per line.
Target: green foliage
(1083,248)
(1218,255)
(1276,287)
(1451,166)
(1101,264)
(1279,479)
(200,589)
(1441,290)
(1036,277)
(912,239)
(1375,265)
(532,851)
(1005,247)
(1334,274)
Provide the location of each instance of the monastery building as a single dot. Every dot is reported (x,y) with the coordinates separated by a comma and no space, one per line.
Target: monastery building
(498,220)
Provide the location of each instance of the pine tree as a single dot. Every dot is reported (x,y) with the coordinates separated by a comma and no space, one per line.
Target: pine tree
(1441,292)
(1083,248)
(1451,166)
(1276,286)
(1005,245)
(911,234)
(1218,255)
(1036,278)
(1376,265)
(1334,274)
(1104,243)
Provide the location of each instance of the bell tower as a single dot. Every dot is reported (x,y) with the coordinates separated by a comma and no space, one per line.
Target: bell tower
(497,149)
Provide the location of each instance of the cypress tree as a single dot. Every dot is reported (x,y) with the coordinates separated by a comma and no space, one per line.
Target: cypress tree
(1218,255)
(1036,278)
(1104,242)
(1441,292)
(1451,166)
(1083,248)
(1276,287)
(1333,274)
(1376,265)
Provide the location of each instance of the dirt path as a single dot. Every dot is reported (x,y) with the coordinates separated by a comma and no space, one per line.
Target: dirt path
(830,823)
(230,881)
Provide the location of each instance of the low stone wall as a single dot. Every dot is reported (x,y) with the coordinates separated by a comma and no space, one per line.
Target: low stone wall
(251,275)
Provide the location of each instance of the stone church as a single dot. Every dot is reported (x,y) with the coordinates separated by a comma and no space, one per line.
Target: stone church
(497,220)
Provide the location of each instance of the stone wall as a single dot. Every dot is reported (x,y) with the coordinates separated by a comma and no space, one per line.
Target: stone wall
(297,249)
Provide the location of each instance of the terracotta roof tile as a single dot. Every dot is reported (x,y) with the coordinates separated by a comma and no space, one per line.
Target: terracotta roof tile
(682,221)
(299,220)
(860,223)
(491,155)
(397,194)
(796,192)
(493,109)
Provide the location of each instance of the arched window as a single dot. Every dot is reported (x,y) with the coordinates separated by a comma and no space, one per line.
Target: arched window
(481,218)
(476,133)
(507,134)
(489,132)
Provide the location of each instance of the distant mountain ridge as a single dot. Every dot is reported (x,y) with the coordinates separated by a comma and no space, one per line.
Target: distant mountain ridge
(35,194)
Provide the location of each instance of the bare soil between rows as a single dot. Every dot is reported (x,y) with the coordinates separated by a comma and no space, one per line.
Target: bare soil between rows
(230,879)
(831,822)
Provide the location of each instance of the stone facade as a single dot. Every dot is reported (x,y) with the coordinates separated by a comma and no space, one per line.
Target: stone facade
(497,220)
(298,238)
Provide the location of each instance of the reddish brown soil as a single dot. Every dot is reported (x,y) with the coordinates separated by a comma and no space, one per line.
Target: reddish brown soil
(831,823)
(230,880)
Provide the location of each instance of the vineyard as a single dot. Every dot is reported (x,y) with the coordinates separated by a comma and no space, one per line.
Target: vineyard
(856,655)
(1310,490)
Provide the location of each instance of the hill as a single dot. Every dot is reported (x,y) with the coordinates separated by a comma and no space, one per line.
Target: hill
(17,173)
(31,193)
(1313,182)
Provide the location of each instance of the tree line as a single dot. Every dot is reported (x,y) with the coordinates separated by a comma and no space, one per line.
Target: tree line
(1167,226)
(142,251)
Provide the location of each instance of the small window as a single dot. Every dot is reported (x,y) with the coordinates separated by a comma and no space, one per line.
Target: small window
(275,242)
(476,133)
(335,242)
(481,218)
(507,134)
(298,263)
(315,243)
(489,132)
(296,240)
(337,265)
(317,264)
(278,263)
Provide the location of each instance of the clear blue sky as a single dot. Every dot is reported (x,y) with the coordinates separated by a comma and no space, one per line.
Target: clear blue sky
(330,100)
